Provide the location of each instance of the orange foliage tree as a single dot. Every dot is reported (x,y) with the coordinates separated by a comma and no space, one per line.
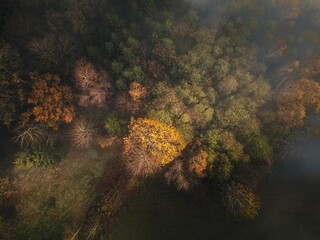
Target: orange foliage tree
(198,164)
(137,91)
(50,100)
(150,145)
(293,103)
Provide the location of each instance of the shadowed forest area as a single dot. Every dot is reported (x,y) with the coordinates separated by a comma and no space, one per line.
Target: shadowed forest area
(113,111)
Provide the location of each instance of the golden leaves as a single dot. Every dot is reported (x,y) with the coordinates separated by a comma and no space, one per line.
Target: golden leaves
(159,144)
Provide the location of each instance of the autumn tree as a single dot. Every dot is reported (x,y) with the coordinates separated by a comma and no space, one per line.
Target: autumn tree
(197,164)
(137,91)
(294,102)
(50,101)
(94,86)
(150,145)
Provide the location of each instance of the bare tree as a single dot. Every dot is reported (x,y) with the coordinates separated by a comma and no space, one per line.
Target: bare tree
(94,86)
(144,167)
(83,132)
(176,175)
(45,50)
(31,135)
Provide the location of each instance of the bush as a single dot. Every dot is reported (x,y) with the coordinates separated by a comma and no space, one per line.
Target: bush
(38,157)
(115,125)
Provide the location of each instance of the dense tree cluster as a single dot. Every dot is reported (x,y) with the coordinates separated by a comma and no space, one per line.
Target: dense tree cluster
(209,103)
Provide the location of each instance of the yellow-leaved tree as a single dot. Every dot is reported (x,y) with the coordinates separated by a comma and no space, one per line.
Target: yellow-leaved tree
(150,145)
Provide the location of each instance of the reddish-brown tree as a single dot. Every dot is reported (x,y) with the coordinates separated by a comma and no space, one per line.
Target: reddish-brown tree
(94,86)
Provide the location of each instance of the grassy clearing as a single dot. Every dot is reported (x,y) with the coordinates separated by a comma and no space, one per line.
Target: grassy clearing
(50,203)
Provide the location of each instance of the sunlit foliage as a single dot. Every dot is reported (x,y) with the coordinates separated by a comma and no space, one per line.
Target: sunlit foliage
(150,145)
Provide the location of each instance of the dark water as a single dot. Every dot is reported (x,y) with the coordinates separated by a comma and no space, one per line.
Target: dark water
(290,210)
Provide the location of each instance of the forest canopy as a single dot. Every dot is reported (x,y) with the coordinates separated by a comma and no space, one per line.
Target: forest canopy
(198,97)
